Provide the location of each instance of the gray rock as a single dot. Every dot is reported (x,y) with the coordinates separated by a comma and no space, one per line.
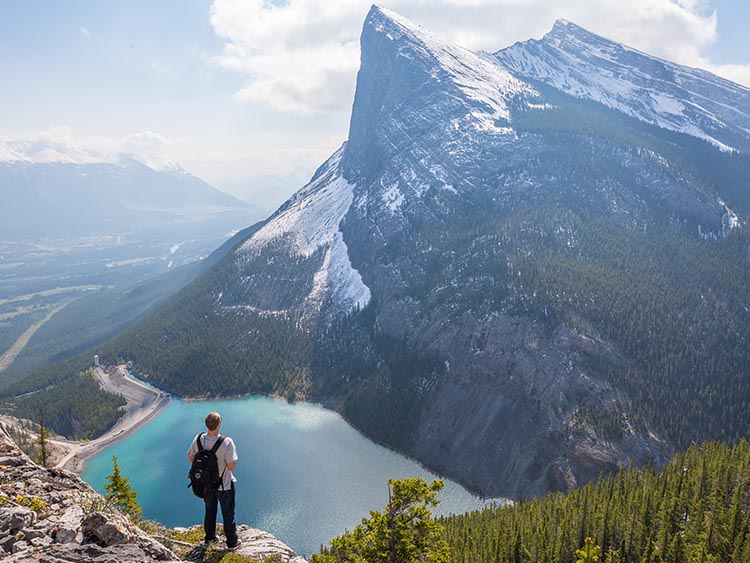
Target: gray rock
(19,546)
(106,529)
(17,518)
(260,546)
(34,483)
(7,543)
(31,533)
(12,461)
(91,553)
(70,518)
(67,535)
(41,542)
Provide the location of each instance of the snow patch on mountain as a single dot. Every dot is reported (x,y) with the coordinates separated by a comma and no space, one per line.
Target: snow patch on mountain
(393,199)
(310,221)
(337,281)
(312,217)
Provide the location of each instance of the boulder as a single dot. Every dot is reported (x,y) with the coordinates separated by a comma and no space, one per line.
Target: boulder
(261,546)
(106,529)
(16,518)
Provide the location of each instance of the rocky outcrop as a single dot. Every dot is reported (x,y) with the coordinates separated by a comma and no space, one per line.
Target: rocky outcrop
(51,515)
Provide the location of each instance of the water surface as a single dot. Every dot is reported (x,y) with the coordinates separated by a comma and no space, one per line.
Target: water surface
(304,474)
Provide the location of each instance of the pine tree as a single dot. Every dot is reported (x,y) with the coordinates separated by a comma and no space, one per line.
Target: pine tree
(120,492)
(43,457)
(589,553)
(403,533)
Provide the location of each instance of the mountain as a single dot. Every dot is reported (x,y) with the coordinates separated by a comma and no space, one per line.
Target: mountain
(517,286)
(678,98)
(62,199)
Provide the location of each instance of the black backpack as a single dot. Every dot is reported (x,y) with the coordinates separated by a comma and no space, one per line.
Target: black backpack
(204,471)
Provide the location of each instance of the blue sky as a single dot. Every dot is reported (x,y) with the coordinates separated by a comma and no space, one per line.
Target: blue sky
(233,89)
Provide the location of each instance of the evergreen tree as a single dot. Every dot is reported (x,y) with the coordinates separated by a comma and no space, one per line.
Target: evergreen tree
(120,492)
(403,533)
(43,457)
(589,553)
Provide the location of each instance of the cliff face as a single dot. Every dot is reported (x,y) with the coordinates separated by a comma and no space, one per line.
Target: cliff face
(51,515)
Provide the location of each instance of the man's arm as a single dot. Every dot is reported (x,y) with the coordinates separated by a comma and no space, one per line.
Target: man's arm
(231,456)
(192,450)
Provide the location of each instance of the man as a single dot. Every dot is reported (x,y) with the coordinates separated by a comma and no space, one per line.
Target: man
(226,456)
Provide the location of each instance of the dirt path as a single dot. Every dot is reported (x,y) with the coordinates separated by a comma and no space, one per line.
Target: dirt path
(10,355)
(143,404)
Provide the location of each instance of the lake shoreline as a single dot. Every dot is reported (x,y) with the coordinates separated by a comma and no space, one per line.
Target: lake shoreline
(296,462)
(143,403)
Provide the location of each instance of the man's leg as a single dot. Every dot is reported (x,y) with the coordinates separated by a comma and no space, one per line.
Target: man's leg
(227,514)
(209,521)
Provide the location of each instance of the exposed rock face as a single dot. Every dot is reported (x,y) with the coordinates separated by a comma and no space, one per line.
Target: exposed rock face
(65,521)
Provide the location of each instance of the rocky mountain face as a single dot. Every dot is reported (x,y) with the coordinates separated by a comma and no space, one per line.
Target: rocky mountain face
(51,515)
(518,280)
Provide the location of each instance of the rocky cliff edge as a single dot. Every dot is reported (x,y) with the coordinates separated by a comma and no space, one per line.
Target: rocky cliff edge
(53,516)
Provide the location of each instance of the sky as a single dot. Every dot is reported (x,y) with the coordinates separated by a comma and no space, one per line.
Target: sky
(244,92)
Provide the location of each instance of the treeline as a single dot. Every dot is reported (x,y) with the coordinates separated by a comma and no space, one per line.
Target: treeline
(694,510)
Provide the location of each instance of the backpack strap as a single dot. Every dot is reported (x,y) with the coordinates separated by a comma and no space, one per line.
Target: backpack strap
(216,446)
(198,441)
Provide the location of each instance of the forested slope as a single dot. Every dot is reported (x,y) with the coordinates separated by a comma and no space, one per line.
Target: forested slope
(694,510)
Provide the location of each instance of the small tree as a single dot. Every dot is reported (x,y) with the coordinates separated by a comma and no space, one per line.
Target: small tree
(120,492)
(589,553)
(403,533)
(42,441)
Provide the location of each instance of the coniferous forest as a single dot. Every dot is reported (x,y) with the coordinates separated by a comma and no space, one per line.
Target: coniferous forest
(696,509)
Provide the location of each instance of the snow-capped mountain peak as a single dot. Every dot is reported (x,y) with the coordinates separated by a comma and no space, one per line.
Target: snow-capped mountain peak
(485,83)
(669,95)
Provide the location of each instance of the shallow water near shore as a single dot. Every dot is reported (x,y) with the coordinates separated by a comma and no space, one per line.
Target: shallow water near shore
(304,474)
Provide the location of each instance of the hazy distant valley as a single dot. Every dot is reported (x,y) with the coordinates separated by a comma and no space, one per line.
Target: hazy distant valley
(93,234)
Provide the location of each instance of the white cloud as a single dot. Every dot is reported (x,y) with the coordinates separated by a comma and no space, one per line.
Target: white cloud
(84,32)
(302,55)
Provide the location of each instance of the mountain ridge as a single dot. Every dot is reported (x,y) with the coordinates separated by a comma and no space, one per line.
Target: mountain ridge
(583,64)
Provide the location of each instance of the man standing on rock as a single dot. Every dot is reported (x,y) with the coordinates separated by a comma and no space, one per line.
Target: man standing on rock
(226,456)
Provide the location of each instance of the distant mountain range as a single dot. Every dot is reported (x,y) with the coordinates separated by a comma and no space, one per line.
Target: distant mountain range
(63,199)
(522,268)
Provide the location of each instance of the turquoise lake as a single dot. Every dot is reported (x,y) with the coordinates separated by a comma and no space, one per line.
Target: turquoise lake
(304,474)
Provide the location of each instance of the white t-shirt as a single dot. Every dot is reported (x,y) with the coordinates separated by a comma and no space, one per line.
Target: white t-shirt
(227,453)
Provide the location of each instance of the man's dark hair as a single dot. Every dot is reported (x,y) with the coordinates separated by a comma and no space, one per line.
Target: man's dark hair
(213,420)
